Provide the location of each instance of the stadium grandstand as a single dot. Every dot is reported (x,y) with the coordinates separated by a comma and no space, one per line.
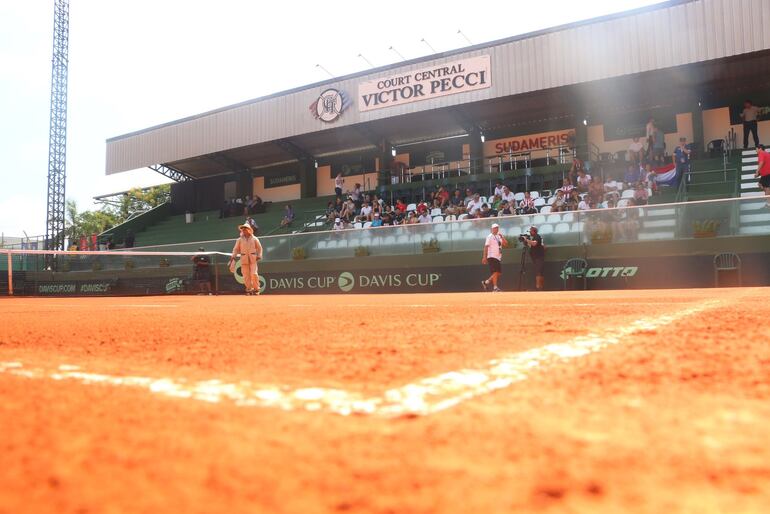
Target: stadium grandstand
(626,131)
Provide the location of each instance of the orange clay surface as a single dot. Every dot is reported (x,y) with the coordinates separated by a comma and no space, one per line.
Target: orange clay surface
(673,419)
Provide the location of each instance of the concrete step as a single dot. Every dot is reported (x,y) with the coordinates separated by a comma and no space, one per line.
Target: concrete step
(661,212)
(748,194)
(659,223)
(747,177)
(749,206)
(764,218)
(749,152)
(750,231)
(749,186)
(750,160)
(750,167)
(653,236)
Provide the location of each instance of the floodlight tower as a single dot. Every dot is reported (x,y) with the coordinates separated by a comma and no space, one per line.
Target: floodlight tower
(57,134)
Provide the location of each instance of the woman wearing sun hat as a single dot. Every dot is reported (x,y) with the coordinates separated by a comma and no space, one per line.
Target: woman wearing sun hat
(250,250)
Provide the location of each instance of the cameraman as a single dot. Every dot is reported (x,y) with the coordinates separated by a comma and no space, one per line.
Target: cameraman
(537,254)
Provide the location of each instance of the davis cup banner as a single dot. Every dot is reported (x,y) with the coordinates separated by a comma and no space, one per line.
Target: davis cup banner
(439,80)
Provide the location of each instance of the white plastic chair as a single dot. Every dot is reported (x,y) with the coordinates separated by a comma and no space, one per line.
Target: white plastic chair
(367,224)
(322,244)
(534,195)
(518,197)
(483,199)
(411,207)
(451,217)
(551,200)
(561,228)
(438,219)
(623,202)
(358,224)
(462,217)
(553,218)
(538,219)
(628,193)
(545,229)
(435,212)
(545,209)
(568,217)
(539,202)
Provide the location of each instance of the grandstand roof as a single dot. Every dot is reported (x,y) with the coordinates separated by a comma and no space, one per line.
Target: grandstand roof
(566,71)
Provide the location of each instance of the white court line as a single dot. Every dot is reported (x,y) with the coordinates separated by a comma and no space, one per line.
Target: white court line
(480,306)
(423,397)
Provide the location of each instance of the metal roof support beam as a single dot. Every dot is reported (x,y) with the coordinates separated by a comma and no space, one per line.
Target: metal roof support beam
(294,150)
(173,174)
(228,162)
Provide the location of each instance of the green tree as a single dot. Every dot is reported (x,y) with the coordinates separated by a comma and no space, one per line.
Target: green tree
(85,223)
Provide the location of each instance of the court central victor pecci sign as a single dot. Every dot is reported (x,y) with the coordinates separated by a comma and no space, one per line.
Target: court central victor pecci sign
(439,80)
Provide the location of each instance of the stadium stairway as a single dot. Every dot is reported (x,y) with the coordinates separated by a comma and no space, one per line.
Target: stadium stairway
(755,217)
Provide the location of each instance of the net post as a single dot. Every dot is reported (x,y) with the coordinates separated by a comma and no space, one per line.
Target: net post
(10,274)
(216,275)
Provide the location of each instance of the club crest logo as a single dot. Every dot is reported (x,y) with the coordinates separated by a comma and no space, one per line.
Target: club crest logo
(330,105)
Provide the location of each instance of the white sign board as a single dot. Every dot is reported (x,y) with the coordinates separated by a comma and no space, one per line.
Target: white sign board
(440,80)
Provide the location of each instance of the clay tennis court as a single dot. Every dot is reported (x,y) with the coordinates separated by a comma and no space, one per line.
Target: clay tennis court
(633,401)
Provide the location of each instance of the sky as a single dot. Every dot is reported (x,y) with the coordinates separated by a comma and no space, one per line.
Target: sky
(145,62)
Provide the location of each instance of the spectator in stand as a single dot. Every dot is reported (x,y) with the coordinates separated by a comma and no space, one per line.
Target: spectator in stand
(584,204)
(424,218)
(128,241)
(365,214)
(506,209)
(527,205)
(457,199)
(401,206)
(495,204)
(468,196)
(633,175)
(499,187)
(558,204)
(338,224)
(763,172)
(571,201)
(596,192)
(288,216)
(749,116)
(422,208)
(641,196)
(253,224)
(411,218)
(566,187)
(443,197)
(508,195)
(377,220)
(635,150)
(574,170)
(255,206)
(658,146)
(339,183)
(649,136)
(474,206)
(583,181)
(485,211)
(348,212)
(331,212)
(681,158)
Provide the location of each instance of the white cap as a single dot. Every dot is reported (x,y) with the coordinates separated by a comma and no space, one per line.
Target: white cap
(336,220)
(376,214)
(495,225)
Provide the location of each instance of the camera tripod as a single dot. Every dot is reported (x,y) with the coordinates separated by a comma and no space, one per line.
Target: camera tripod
(523,268)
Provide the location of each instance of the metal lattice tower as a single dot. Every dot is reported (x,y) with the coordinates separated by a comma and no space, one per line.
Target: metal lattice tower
(57,136)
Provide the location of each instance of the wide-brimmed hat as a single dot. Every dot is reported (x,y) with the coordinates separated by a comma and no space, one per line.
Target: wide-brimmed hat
(247,227)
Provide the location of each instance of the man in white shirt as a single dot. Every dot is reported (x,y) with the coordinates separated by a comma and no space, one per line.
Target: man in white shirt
(749,115)
(499,187)
(474,206)
(338,183)
(508,195)
(425,218)
(365,214)
(493,256)
(635,151)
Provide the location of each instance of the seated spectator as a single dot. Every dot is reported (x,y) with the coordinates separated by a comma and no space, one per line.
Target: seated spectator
(348,212)
(401,206)
(468,196)
(508,195)
(571,201)
(422,208)
(254,206)
(485,211)
(424,218)
(365,214)
(473,206)
(377,220)
(253,224)
(495,204)
(527,205)
(338,224)
(641,196)
(411,218)
(288,216)
(443,197)
(499,187)
(584,204)
(506,209)
(457,199)
(566,187)
(583,181)
(331,212)
(559,203)
(635,150)
(633,175)
(453,210)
